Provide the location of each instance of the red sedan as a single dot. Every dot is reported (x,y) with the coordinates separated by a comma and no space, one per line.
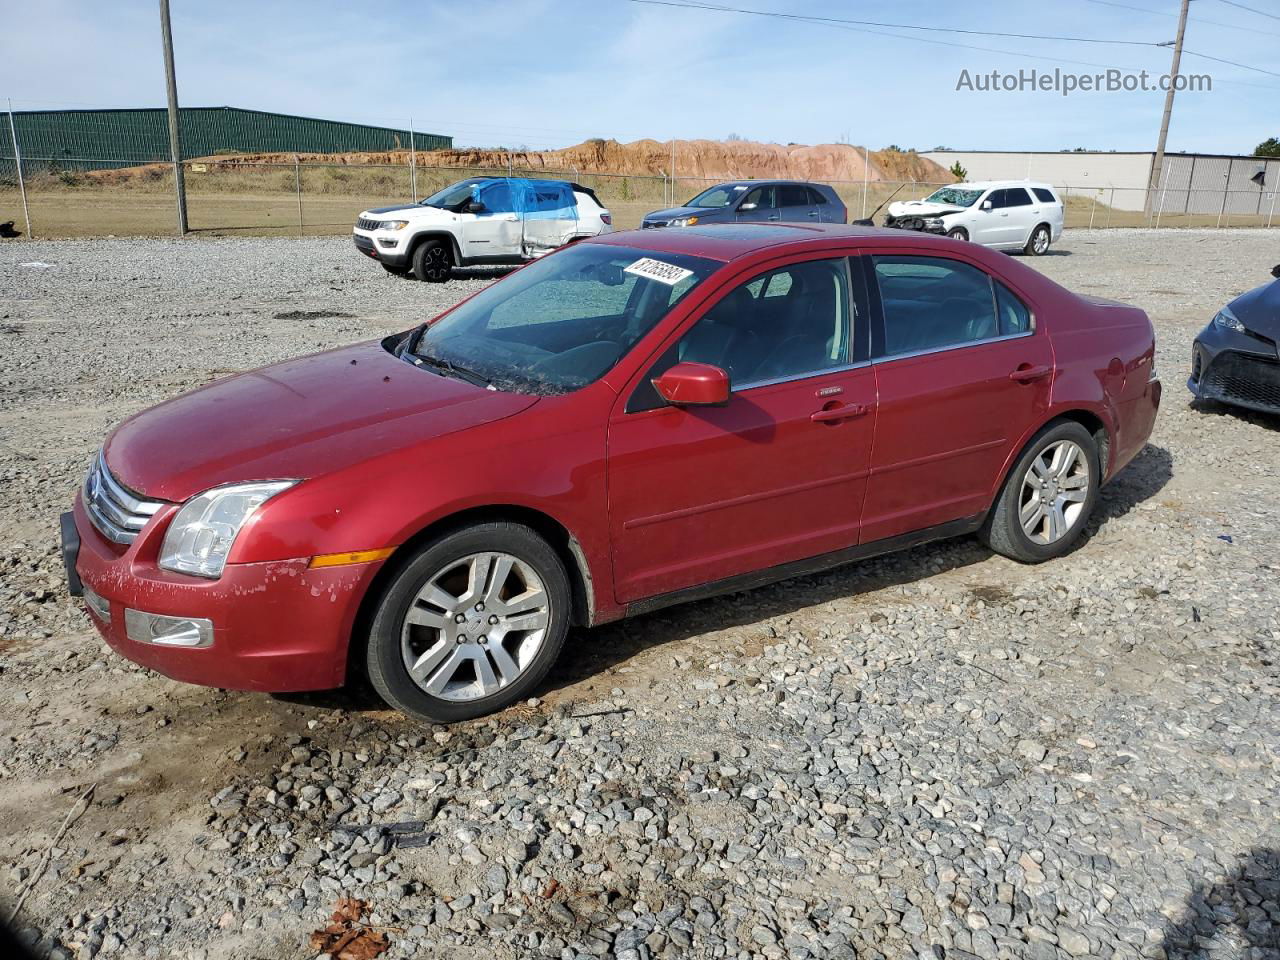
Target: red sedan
(630,422)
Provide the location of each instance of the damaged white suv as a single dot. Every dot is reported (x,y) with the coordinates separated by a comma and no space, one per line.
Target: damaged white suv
(481,220)
(1003,214)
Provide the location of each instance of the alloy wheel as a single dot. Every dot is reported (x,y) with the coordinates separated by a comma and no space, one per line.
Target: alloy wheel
(436,263)
(475,626)
(1054,490)
(1040,242)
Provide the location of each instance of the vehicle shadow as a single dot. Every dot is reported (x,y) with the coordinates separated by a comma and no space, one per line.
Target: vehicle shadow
(589,652)
(1239,911)
(1212,408)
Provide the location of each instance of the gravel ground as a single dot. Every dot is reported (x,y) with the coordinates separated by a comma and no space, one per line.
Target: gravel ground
(936,754)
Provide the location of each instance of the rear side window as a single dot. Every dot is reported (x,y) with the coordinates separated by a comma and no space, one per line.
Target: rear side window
(1014,315)
(1044,195)
(931,303)
(793,195)
(1017,197)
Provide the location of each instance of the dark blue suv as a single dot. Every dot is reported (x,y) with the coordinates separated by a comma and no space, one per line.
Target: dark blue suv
(755,200)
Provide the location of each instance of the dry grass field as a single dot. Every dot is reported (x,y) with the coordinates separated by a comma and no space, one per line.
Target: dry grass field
(324,199)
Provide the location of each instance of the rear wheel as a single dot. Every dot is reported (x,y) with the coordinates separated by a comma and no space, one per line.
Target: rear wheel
(1048,496)
(470,625)
(1038,244)
(432,261)
(958,233)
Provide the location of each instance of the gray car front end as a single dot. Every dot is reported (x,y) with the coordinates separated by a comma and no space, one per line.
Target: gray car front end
(1235,360)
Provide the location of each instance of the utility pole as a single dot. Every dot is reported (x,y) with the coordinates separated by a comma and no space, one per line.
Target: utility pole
(175,145)
(1157,164)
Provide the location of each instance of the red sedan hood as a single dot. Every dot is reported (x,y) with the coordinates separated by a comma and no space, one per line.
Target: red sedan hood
(296,419)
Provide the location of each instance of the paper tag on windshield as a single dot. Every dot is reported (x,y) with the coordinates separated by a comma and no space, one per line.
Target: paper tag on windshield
(667,273)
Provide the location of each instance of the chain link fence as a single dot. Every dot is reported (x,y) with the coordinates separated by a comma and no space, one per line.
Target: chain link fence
(103,172)
(307,198)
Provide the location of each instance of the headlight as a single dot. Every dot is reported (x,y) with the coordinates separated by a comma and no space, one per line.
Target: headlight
(1225,319)
(934,223)
(393,224)
(682,222)
(200,537)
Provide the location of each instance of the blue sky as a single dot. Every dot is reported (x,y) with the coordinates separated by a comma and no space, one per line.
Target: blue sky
(545,74)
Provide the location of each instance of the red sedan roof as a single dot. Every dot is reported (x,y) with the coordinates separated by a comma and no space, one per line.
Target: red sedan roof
(727,241)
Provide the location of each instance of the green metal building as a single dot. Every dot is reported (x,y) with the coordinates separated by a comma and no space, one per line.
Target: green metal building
(100,139)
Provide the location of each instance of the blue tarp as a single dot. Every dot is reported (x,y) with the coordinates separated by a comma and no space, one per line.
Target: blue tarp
(532,199)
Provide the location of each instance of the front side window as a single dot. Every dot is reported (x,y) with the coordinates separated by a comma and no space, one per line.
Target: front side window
(716,197)
(1017,197)
(762,197)
(785,323)
(930,303)
(996,198)
(455,195)
(563,321)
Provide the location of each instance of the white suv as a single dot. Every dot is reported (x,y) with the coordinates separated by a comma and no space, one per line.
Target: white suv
(1004,214)
(482,220)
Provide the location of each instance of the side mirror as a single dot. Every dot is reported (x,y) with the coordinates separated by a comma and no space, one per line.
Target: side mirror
(475,206)
(986,204)
(693,385)
(747,206)
(1275,271)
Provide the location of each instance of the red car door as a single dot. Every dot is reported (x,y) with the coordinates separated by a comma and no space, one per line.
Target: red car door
(701,494)
(962,374)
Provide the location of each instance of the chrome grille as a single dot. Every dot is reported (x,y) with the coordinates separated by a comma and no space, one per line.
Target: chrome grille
(117,513)
(364,224)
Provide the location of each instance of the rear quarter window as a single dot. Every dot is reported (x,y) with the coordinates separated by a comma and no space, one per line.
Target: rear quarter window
(1043,195)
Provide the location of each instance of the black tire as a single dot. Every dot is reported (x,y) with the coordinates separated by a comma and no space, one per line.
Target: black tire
(1038,242)
(432,261)
(385,658)
(1003,531)
(395,271)
(958,233)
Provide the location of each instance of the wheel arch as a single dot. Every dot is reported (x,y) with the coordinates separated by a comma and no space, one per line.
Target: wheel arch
(563,541)
(1040,223)
(1089,419)
(433,234)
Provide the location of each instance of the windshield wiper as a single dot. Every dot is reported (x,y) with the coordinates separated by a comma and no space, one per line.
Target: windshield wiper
(449,368)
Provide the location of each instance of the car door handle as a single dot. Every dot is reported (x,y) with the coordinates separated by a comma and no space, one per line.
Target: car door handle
(813,213)
(776,216)
(846,411)
(1027,373)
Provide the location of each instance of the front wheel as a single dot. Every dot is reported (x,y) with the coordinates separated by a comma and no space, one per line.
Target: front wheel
(1038,244)
(432,261)
(470,624)
(958,233)
(1048,496)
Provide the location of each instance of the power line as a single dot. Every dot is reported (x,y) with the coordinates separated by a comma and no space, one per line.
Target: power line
(1261,13)
(848,25)
(807,18)
(1166,13)
(1234,63)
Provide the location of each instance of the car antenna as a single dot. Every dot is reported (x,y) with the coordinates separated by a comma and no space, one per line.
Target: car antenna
(870,221)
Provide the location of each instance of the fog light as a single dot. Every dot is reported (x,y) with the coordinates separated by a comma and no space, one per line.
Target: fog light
(99,606)
(168,631)
(388,241)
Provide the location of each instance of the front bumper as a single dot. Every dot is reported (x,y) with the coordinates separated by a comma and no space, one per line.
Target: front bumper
(371,245)
(919,224)
(277,627)
(1242,378)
